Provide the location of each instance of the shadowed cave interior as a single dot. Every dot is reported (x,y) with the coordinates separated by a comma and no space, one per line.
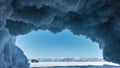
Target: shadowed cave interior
(96,19)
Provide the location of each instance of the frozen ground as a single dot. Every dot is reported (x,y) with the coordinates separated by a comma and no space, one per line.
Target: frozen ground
(70,64)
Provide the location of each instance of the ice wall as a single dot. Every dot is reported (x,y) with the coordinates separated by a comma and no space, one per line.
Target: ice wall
(96,19)
(10,55)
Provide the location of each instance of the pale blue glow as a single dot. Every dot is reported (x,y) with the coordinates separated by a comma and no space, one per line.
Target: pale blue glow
(44,44)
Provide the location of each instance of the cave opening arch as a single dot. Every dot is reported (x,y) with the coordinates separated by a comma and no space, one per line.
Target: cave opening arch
(44,44)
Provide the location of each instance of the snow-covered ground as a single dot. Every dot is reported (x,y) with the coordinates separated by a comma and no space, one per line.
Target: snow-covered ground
(48,64)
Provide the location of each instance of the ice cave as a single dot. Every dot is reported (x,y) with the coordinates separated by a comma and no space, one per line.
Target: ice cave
(96,19)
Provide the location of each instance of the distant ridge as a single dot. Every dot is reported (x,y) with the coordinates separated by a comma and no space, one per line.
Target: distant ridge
(69,59)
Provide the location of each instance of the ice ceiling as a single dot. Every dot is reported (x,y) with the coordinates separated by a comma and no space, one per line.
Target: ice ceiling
(96,19)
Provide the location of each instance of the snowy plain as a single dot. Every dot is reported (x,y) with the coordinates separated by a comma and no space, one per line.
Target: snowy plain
(51,64)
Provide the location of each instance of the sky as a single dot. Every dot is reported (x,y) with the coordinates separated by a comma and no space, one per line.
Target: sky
(44,44)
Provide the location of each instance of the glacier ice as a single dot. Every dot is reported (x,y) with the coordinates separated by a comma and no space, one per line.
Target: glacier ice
(95,19)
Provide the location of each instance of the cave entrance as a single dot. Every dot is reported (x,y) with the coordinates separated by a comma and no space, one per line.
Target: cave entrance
(44,44)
